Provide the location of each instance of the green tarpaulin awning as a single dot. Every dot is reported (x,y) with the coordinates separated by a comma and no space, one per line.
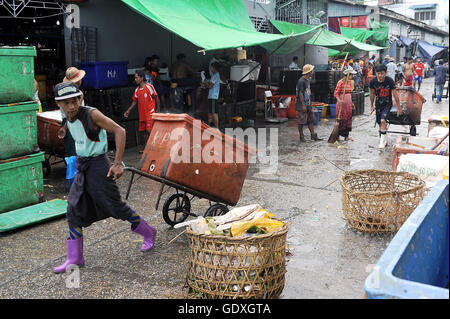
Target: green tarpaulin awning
(379,33)
(215,24)
(332,41)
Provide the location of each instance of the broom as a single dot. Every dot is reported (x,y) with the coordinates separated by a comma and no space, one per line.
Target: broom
(335,133)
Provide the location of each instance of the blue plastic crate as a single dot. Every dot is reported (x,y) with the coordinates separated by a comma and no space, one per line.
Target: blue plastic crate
(416,262)
(333,110)
(104,75)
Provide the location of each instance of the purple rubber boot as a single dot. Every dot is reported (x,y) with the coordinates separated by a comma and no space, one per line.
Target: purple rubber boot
(149,234)
(74,255)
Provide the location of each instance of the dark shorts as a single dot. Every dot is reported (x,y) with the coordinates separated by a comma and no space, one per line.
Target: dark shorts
(161,90)
(212,106)
(382,113)
(305,117)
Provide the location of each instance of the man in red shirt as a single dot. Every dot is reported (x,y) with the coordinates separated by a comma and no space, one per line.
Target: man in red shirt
(146,98)
(418,67)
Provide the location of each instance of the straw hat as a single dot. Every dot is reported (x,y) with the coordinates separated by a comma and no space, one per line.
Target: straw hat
(387,57)
(307,68)
(74,75)
(392,59)
(349,70)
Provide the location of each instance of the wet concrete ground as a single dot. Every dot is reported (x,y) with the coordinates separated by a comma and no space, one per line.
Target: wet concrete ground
(328,259)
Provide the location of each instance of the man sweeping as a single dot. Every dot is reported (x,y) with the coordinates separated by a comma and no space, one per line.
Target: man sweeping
(94,194)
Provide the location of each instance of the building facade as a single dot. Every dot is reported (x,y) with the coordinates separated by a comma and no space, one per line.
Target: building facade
(431,12)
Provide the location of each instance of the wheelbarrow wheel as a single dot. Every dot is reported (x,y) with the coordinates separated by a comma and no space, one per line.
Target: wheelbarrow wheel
(216,210)
(46,168)
(176,209)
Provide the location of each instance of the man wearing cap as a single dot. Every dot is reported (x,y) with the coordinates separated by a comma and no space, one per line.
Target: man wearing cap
(94,194)
(303,103)
(75,76)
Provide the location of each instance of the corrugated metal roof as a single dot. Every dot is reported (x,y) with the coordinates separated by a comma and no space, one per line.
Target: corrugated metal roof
(336,9)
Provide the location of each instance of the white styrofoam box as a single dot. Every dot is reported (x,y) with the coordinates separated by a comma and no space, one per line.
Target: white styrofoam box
(438,131)
(238,71)
(428,167)
(53,115)
(254,75)
(133,71)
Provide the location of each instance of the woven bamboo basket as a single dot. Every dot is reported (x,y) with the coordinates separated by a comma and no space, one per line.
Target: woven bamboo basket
(231,267)
(376,201)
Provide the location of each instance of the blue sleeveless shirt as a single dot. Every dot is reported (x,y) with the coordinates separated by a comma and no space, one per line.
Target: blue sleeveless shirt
(89,142)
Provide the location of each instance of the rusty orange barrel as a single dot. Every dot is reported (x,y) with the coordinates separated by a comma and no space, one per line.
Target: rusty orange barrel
(48,124)
(411,101)
(190,153)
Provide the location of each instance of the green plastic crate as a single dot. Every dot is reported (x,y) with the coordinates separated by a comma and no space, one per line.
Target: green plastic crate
(32,214)
(16,74)
(21,182)
(18,130)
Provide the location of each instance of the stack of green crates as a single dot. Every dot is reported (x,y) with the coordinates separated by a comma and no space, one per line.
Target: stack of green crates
(21,179)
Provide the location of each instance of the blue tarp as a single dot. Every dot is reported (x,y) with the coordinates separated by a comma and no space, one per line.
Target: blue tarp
(429,51)
(407,41)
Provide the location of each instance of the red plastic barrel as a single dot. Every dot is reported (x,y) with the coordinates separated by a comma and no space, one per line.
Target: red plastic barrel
(291,112)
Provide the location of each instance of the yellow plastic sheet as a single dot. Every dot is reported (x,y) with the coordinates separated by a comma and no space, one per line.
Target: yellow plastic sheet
(267,224)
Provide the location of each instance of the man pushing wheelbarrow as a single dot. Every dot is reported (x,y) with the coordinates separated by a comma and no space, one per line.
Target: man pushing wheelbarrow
(94,194)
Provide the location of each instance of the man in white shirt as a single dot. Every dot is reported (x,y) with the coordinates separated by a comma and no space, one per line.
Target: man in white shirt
(391,69)
(294,63)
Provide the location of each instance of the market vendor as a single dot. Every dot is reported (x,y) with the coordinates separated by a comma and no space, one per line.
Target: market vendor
(94,194)
(213,95)
(183,76)
(183,72)
(294,64)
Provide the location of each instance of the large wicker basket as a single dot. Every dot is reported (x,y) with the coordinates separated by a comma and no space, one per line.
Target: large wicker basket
(227,268)
(376,201)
